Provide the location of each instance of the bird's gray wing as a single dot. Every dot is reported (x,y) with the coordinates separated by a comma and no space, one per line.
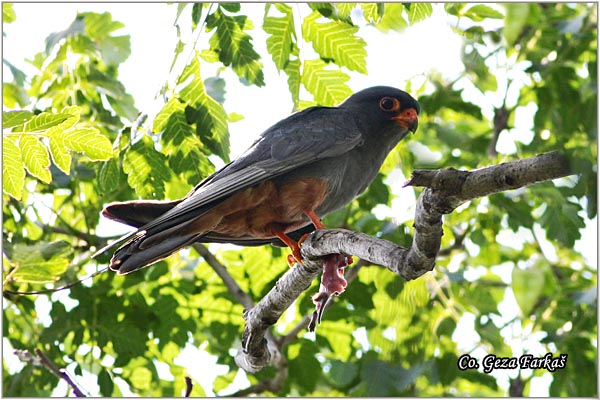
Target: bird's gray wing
(302,138)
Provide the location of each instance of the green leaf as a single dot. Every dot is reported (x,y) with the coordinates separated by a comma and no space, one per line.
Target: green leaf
(141,378)
(14,95)
(527,286)
(40,251)
(562,223)
(46,120)
(8,14)
(40,271)
(337,41)
(99,26)
(146,169)
(514,21)
(13,168)
(344,9)
(293,72)
(234,46)
(105,383)
(181,144)
(89,141)
(208,115)
(108,177)
(36,157)
(231,7)
(343,373)
(327,86)
(281,35)
(196,14)
(76,27)
(124,106)
(372,11)
(15,118)
(380,378)
(480,12)
(419,11)
(392,18)
(60,154)
(115,49)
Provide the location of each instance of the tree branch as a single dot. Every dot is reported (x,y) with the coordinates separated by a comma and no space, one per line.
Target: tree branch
(235,290)
(445,191)
(274,354)
(43,360)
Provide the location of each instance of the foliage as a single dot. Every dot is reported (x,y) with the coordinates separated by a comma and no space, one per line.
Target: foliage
(73,141)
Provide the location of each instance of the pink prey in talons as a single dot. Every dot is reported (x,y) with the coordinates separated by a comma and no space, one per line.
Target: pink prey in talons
(333,283)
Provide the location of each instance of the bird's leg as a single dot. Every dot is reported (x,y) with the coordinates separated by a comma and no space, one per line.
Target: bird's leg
(292,244)
(314,218)
(296,257)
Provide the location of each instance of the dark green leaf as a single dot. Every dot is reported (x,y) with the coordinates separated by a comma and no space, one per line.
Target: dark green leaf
(343,373)
(106,384)
(196,14)
(146,169)
(233,46)
(108,177)
(562,223)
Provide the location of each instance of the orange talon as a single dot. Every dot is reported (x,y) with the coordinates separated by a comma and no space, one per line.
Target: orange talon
(291,260)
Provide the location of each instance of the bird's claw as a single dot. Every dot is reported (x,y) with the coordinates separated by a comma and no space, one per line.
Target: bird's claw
(296,256)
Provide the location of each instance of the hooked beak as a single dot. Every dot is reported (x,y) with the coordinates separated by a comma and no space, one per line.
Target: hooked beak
(408,119)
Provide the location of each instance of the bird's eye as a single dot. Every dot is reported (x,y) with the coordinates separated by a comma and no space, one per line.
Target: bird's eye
(389,104)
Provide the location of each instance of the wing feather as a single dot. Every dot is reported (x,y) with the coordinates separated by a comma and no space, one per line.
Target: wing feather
(302,138)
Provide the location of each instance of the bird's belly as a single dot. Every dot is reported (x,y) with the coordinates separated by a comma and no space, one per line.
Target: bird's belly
(270,206)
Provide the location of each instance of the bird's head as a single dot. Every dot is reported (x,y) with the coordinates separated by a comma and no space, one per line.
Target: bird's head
(385,109)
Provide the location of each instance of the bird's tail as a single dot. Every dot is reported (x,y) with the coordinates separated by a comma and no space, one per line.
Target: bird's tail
(137,213)
(143,250)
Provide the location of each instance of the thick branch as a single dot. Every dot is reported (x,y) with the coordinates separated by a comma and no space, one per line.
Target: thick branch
(445,191)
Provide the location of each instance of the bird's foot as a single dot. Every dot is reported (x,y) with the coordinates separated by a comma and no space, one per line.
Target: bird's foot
(333,283)
(296,257)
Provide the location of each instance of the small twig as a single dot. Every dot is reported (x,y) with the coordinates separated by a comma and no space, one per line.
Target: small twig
(43,360)
(274,352)
(188,386)
(459,238)
(60,373)
(70,231)
(235,290)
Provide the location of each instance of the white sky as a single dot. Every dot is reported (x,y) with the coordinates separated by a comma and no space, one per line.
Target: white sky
(392,60)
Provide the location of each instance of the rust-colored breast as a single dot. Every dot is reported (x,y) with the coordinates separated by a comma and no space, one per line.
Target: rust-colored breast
(260,210)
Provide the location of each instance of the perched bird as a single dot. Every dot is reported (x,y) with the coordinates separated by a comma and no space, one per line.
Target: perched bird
(303,167)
